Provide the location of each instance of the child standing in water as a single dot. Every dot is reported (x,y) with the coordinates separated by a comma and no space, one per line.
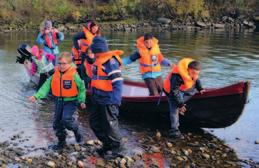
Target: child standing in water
(41,64)
(68,89)
(50,37)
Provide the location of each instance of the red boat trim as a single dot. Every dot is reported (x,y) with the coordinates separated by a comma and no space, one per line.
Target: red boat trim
(238,88)
(234,89)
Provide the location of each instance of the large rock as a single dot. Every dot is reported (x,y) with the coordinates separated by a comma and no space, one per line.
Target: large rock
(201,24)
(249,24)
(218,26)
(164,20)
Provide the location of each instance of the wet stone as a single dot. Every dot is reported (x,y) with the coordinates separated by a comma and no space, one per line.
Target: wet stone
(51,164)
(100,162)
(155,149)
(169,144)
(158,135)
(80,164)
(179,158)
(206,156)
(77,147)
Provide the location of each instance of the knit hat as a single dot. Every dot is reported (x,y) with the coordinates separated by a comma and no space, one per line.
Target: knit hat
(35,50)
(99,45)
(47,24)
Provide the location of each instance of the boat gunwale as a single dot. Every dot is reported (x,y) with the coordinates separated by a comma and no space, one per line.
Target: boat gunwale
(240,88)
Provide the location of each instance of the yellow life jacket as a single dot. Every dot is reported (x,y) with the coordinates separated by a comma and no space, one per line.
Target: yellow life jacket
(182,70)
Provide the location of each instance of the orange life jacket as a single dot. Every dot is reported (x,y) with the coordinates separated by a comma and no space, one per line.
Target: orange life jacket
(63,85)
(182,70)
(83,44)
(149,59)
(100,79)
(88,69)
(54,38)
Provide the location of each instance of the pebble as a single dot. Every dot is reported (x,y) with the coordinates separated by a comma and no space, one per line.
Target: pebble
(51,164)
(206,156)
(130,161)
(202,149)
(155,149)
(231,163)
(189,151)
(169,144)
(212,145)
(100,162)
(179,158)
(186,153)
(123,163)
(124,140)
(80,164)
(224,155)
(77,147)
(90,142)
(158,135)
(173,152)
(29,161)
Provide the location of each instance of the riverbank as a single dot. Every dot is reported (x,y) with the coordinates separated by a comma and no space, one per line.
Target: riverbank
(196,150)
(161,24)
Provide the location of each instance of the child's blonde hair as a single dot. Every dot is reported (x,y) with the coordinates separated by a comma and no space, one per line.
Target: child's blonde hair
(65,55)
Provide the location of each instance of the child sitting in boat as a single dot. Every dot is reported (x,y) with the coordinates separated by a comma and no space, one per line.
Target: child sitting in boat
(41,64)
(180,85)
(69,90)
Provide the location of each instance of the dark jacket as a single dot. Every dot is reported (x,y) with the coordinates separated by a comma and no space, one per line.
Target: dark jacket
(111,67)
(78,36)
(175,93)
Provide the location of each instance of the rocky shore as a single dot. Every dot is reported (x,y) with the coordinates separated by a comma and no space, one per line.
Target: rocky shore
(154,150)
(226,23)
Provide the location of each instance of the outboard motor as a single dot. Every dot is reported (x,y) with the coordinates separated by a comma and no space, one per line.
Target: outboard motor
(25,53)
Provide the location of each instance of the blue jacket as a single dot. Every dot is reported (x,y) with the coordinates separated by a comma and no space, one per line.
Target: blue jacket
(55,50)
(135,56)
(111,67)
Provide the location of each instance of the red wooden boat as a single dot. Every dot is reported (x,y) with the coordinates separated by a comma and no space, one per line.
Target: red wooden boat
(216,108)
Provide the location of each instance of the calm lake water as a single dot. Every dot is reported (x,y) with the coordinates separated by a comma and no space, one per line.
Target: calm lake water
(226,57)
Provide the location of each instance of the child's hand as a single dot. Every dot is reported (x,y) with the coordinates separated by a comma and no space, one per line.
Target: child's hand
(202,91)
(32,99)
(55,30)
(82,105)
(182,110)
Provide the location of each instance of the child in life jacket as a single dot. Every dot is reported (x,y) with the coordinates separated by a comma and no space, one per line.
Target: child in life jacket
(69,90)
(41,64)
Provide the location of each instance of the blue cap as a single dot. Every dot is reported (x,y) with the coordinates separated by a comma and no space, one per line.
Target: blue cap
(99,45)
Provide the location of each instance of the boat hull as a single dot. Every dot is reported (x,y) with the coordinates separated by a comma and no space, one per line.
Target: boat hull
(216,108)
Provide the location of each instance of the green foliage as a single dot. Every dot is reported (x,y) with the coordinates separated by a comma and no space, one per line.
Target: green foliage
(34,11)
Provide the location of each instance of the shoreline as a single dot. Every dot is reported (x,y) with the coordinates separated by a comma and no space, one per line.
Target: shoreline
(198,149)
(161,24)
